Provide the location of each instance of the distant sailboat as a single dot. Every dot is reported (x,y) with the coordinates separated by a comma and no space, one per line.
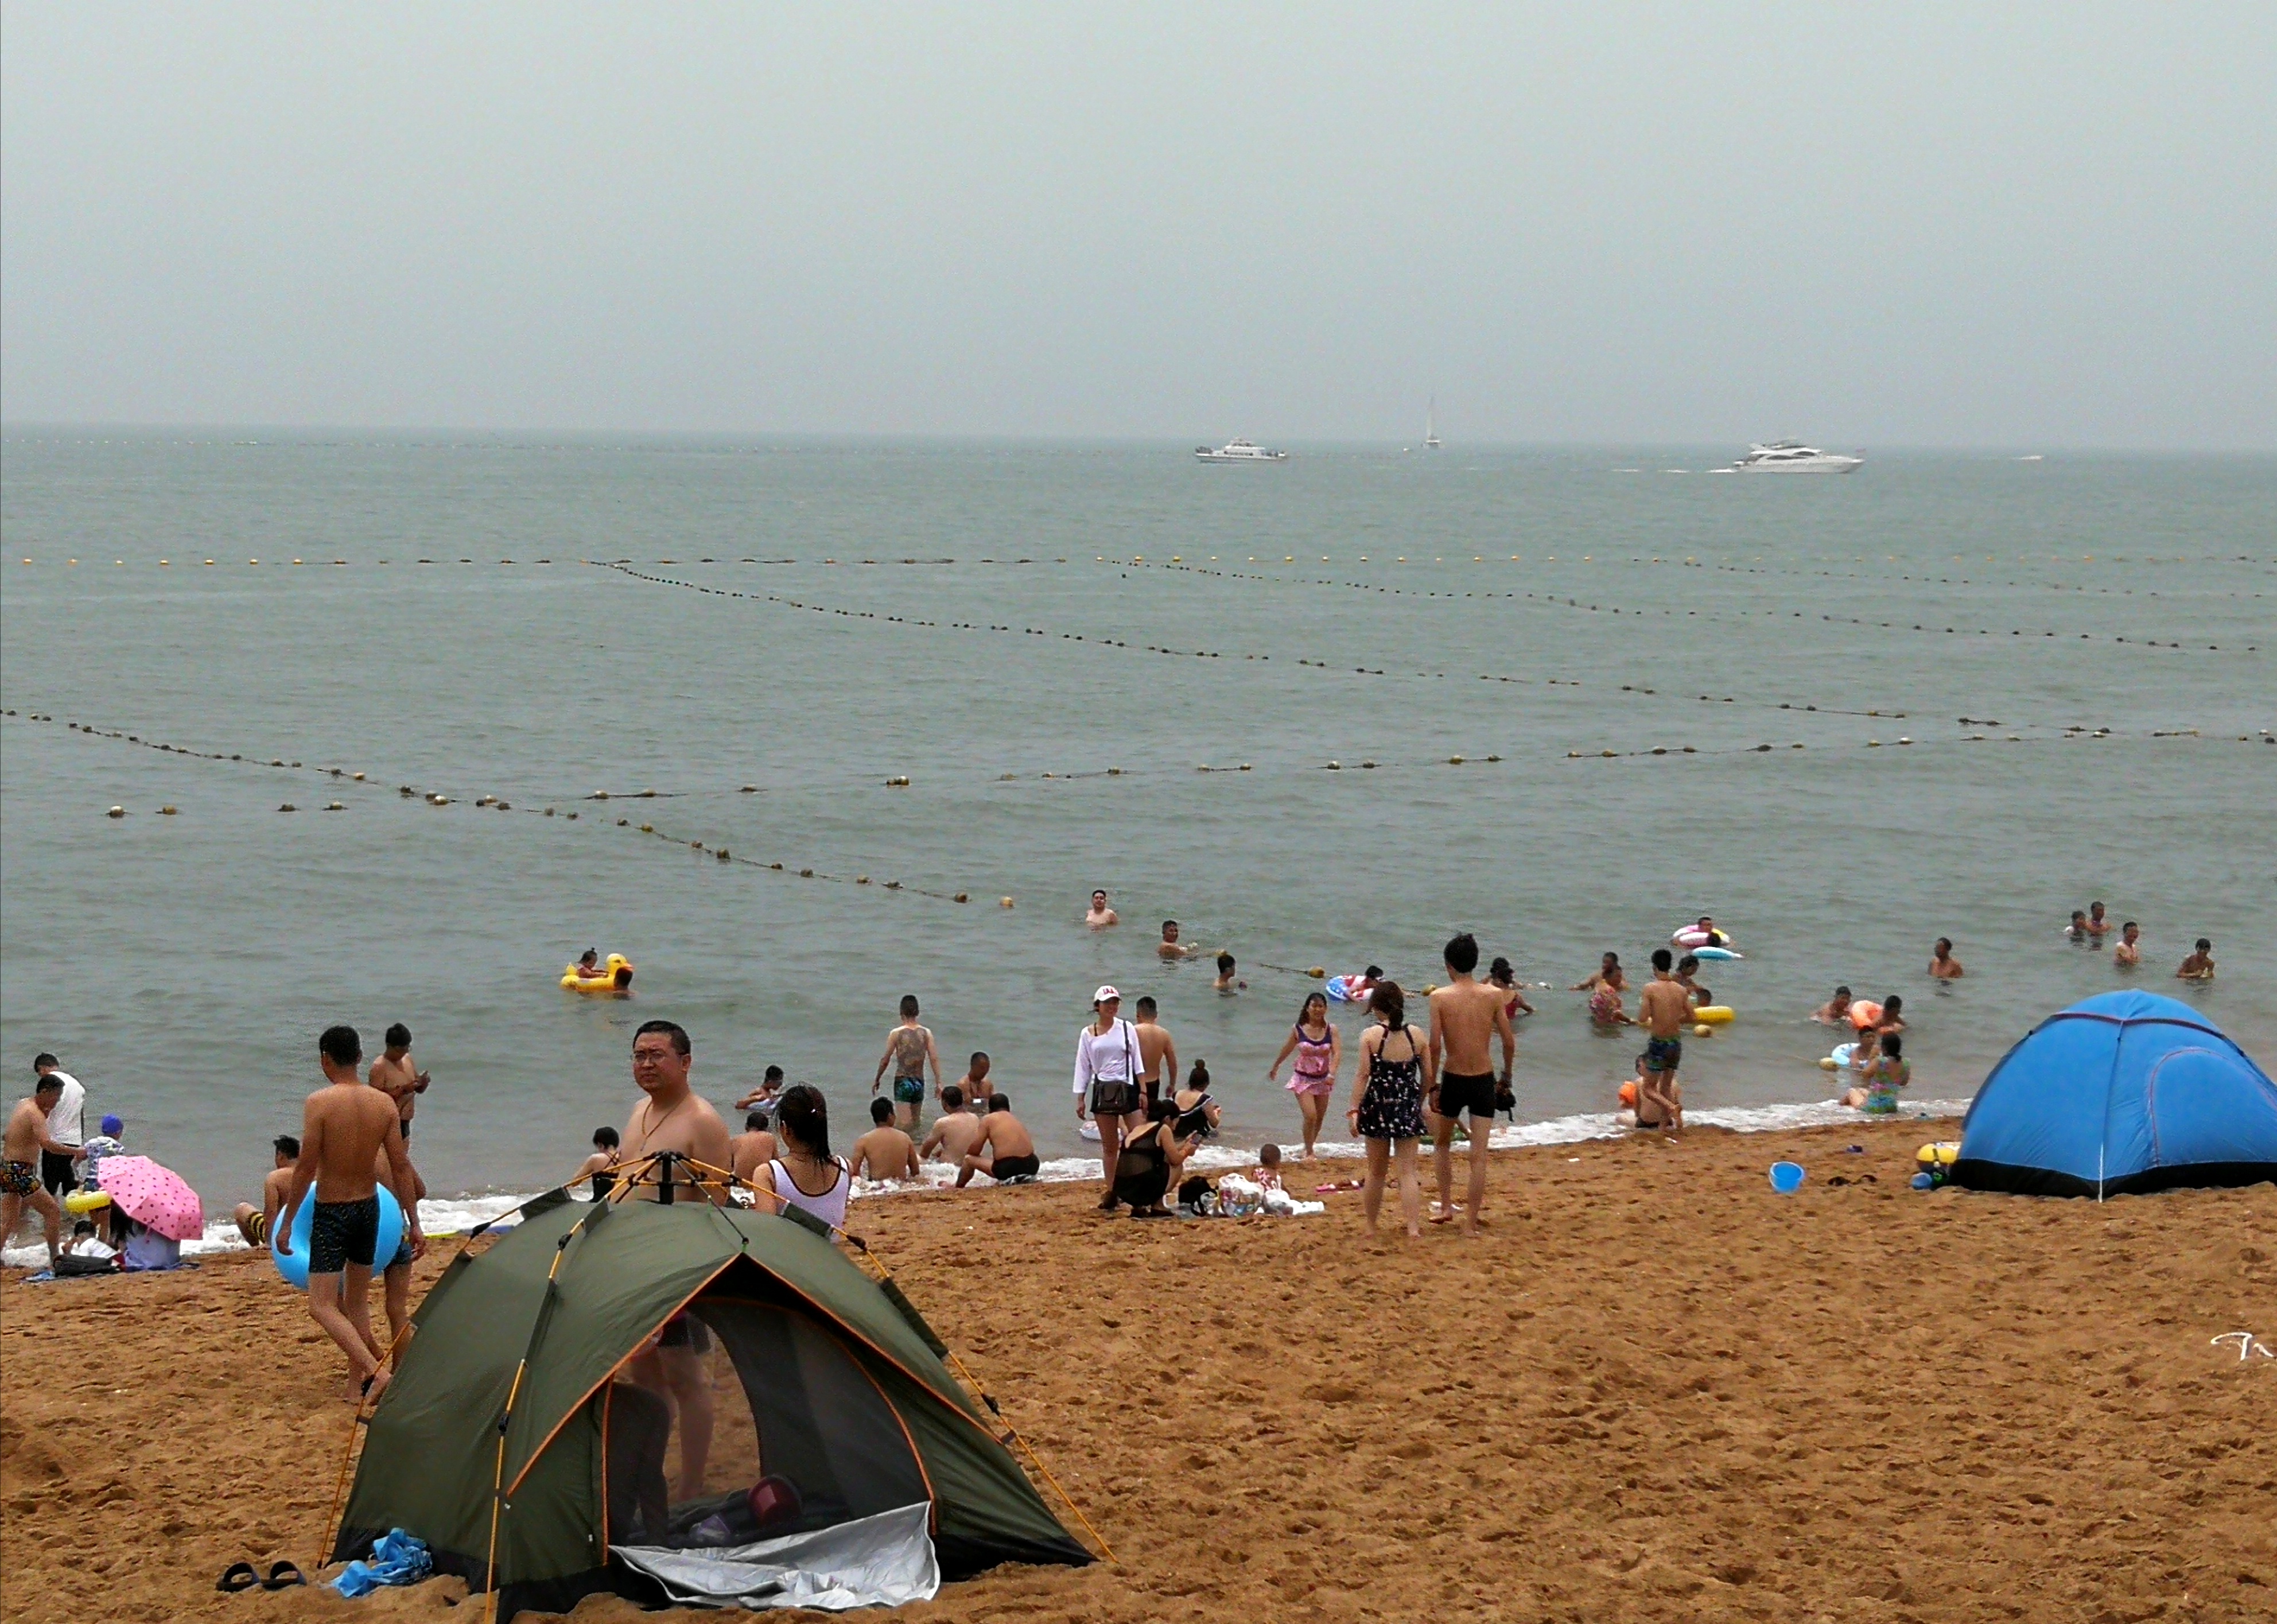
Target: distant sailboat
(1431,425)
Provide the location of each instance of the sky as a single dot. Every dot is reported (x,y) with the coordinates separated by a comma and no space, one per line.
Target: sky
(1934,224)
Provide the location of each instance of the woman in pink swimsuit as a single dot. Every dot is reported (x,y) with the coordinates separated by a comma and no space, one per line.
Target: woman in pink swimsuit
(1318,1052)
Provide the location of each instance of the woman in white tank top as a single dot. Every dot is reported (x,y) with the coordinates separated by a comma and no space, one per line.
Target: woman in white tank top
(806,1176)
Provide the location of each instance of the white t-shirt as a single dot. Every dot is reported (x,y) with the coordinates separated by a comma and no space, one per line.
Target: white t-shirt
(68,1121)
(1113,1055)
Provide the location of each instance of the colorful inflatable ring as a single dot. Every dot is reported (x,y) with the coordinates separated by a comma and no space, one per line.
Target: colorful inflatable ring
(295,1267)
(1338,989)
(1842,1053)
(1715,1015)
(1716,953)
(616,977)
(1865,1013)
(1693,936)
(87,1200)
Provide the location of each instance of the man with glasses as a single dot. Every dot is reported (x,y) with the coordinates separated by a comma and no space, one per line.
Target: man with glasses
(671,1116)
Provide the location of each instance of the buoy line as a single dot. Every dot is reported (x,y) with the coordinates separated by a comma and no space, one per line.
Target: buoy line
(1741,617)
(2022,586)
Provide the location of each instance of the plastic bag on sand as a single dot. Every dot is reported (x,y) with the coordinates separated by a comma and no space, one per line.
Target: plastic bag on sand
(396,1558)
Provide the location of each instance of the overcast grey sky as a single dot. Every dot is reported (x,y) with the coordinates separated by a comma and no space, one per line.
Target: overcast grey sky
(1925,223)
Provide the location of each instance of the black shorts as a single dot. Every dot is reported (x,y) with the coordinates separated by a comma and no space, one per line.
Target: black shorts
(58,1175)
(1459,1093)
(685,1331)
(343,1232)
(1008,1169)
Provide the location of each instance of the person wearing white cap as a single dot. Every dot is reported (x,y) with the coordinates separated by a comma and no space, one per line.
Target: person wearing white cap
(1107,1066)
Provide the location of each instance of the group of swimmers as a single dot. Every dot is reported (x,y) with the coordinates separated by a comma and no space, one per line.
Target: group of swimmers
(2091,925)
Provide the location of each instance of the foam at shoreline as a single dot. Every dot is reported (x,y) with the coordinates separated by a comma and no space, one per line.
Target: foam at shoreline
(455,1215)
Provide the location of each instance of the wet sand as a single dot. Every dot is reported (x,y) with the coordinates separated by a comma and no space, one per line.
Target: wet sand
(1656,1390)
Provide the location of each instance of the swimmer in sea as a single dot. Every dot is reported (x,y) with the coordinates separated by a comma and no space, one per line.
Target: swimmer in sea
(589,964)
(2097,926)
(1716,938)
(1170,947)
(1836,1010)
(1605,999)
(1227,982)
(1611,966)
(1942,964)
(1699,995)
(2199,965)
(1101,916)
(1503,976)
(2130,949)
(2077,929)
(1892,1016)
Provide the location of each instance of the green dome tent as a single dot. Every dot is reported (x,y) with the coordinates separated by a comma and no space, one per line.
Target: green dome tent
(819,1434)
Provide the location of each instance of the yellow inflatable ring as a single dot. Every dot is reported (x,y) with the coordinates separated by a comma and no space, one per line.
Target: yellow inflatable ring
(616,977)
(87,1200)
(1716,1015)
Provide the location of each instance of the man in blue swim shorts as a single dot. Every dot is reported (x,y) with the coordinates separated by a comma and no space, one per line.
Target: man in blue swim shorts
(1664,1008)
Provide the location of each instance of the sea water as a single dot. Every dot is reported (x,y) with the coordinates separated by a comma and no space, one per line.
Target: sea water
(2019,687)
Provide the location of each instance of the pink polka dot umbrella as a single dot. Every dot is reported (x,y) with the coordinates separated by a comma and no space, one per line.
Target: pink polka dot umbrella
(154,1196)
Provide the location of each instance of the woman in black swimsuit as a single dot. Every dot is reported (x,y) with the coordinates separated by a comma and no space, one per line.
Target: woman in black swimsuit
(1387,1109)
(1197,1113)
(1150,1161)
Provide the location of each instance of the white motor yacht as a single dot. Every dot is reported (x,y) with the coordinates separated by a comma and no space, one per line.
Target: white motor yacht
(1794,457)
(1239,451)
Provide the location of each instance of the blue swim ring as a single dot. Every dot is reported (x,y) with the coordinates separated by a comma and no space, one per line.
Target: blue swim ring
(295,1267)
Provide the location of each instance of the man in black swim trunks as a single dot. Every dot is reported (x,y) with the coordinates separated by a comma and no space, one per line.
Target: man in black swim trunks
(349,1130)
(1005,1150)
(1465,1016)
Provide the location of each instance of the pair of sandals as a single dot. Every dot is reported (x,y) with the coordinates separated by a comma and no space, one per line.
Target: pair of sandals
(1839,1181)
(242,1576)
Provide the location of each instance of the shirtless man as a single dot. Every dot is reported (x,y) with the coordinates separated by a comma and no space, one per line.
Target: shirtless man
(2077,929)
(1942,964)
(1158,1054)
(349,1130)
(1228,983)
(885,1151)
(392,1075)
(764,1097)
(1660,1011)
(670,1117)
(1464,1015)
(909,1050)
(255,1225)
(1170,947)
(1005,1151)
(955,1131)
(1836,1010)
(2129,949)
(755,1147)
(28,1138)
(2197,967)
(1607,971)
(2097,926)
(1101,916)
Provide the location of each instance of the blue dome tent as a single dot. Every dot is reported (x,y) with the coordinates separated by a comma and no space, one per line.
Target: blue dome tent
(2124,1094)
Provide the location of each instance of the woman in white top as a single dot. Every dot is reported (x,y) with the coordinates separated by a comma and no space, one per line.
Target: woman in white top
(1107,1060)
(804,1174)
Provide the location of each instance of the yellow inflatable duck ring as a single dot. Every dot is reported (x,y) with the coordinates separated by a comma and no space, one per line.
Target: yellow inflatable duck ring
(615,976)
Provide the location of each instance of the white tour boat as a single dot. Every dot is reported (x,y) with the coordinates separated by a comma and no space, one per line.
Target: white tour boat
(1794,457)
(1239,451)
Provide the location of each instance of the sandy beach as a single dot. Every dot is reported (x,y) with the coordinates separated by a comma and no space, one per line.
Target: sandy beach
(1658,1390)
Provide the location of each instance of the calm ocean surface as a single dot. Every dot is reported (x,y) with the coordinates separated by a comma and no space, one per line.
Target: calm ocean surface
(183,966)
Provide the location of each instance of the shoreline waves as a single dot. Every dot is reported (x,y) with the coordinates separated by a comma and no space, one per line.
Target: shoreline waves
(446,1215)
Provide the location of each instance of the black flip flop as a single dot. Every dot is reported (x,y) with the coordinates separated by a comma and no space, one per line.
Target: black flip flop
(283,1576)
(236,1577)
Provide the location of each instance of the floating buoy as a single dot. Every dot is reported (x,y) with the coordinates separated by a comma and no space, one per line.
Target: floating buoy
(648,828)
(897,783)
(1317,973)
(599,794)
(1702,1030)
(749,790)
(115,811)
(335,806)
(1826,1063)
(1004,902)
(861,880)
(721,854)
(166,812)
(288,806)
(961,896)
